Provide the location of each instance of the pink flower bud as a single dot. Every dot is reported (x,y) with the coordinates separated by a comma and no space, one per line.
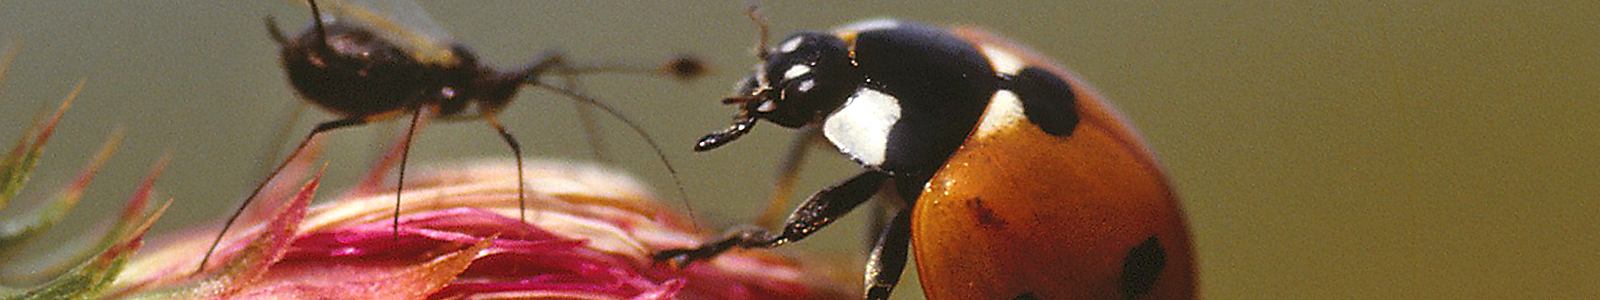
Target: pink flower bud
(588,234)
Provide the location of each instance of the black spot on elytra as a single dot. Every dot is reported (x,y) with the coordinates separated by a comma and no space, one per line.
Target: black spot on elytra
(1047,100)
(1026,296)
(1141,267)
(985,216)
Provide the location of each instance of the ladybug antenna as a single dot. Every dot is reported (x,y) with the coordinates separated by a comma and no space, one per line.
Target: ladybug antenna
(754,12)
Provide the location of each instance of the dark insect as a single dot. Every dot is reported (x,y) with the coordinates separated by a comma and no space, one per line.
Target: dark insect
(350,68)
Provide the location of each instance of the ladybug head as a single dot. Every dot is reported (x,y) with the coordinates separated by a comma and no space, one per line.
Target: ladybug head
(806,77)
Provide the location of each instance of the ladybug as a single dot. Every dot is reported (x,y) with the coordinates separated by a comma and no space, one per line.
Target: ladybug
(1014,179)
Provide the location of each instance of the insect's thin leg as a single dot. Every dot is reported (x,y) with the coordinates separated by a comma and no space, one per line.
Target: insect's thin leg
(888,258)
(591,129)
(383,161)
(279,137)
(516,151)
(592,134)
(400,182)
(788,172)
(316,21)
(324,127)
(671,170)
(817,212)
(554,61)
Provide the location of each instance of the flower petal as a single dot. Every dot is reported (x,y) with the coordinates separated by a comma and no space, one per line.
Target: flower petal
(240,266)
(589,235)
(374,280)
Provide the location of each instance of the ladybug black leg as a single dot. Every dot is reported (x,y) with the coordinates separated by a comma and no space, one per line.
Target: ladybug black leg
(888,257)
(817,212)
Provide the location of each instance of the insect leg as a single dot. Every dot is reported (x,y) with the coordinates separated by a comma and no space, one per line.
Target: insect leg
(637,129)
(279,137)
(405,153)
(516,150)
(888,258)
(591,129)
(324,127)
(817,212)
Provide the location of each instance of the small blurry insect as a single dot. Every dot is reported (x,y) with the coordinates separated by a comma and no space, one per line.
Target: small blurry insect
(379,59)
(1014,179)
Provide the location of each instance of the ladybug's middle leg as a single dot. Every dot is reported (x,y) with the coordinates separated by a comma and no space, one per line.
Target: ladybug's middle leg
(888,257)
(817,212)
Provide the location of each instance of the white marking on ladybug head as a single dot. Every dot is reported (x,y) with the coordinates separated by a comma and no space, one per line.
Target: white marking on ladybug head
(1004,110)
(790,45)
(1004,61)
(861,127)
(796,71)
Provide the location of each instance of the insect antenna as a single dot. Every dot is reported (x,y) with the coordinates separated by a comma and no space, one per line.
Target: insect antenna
(754,12)
(681,67)
(672,171)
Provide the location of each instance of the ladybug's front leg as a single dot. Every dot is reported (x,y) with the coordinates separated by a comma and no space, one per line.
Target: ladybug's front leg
(817,212)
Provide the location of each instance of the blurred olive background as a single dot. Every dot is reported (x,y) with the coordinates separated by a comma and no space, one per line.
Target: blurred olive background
(1354,150)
